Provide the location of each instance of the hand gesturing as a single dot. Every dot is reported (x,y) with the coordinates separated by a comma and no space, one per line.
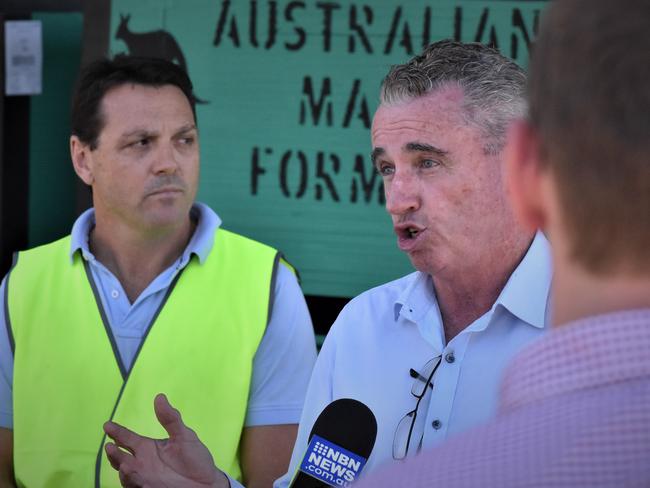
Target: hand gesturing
(180,461)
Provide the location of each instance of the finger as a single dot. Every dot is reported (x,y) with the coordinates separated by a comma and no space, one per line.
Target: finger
(123,437)
(169,417)
(116,456)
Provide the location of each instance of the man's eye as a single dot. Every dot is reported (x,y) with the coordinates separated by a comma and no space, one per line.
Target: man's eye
(429,163)
(385,169)
(144,142)
(186,140)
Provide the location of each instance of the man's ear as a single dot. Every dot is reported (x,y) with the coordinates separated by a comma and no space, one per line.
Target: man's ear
(524,175)
(81,160)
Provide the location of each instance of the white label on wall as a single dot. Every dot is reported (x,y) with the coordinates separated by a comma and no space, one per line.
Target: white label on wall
(23,57)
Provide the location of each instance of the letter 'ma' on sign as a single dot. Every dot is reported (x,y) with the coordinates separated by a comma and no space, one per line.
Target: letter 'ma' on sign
(317,102)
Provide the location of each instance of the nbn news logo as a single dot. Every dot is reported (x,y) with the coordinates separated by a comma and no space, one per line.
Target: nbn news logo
(330,463)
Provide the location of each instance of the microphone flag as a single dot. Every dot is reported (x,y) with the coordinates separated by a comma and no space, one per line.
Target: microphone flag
(331,463)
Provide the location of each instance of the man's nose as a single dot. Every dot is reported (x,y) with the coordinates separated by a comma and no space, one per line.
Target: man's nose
(402,194)
(166,159)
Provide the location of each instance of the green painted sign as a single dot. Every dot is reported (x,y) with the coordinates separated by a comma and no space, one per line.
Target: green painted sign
(288,90)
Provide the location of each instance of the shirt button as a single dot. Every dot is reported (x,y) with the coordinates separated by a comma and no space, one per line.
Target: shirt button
(436,424)
(450,358)
(115,293)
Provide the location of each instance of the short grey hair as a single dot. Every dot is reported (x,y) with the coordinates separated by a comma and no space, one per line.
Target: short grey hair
(494,86)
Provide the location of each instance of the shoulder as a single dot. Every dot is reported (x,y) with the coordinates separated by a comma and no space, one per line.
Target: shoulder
(372,310)
(236,252)
(44,253)
(227,237)
(210,226)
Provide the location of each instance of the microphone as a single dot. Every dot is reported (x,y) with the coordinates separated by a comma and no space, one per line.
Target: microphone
(340,443)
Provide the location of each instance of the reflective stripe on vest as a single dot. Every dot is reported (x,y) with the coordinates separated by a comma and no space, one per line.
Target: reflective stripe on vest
(67,375)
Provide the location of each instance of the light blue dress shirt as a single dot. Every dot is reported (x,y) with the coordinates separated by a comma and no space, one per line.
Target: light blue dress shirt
(285,356)
(384,332)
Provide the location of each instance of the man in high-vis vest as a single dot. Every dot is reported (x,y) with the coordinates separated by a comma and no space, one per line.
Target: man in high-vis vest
(147,294)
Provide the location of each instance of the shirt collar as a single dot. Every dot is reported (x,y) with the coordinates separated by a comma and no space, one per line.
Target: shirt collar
(523,296)
(416,298)
(200,244)
(526,291)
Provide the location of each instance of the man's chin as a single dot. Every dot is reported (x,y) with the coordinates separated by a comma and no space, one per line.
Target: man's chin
(167,218)
(418,261)
(424,263)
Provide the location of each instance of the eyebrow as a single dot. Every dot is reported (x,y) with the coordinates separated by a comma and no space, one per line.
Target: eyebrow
(141,131)
(410,147)
(186,128)
(423,147)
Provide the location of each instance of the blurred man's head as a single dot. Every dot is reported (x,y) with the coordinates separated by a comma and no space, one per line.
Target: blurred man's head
(589,129)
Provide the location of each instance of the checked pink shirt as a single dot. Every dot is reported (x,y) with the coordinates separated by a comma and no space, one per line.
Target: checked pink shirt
(574,412)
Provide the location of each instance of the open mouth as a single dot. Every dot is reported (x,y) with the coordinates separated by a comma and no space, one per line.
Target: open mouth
(408,232)
(411,232)
(408,236)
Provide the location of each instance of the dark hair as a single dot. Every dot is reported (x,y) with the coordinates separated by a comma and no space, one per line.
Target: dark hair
(589,96)
(98,77)
(494,86)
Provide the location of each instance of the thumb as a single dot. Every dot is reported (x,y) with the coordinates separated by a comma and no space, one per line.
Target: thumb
(168,416)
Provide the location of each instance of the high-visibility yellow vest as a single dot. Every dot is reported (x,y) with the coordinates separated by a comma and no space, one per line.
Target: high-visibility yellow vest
(68,380)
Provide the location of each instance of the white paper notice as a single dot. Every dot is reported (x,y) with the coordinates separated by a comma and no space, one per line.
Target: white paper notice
(23,57)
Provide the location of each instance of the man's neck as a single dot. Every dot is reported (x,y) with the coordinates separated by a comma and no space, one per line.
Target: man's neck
(136,257)
(577,294)
(467,295)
